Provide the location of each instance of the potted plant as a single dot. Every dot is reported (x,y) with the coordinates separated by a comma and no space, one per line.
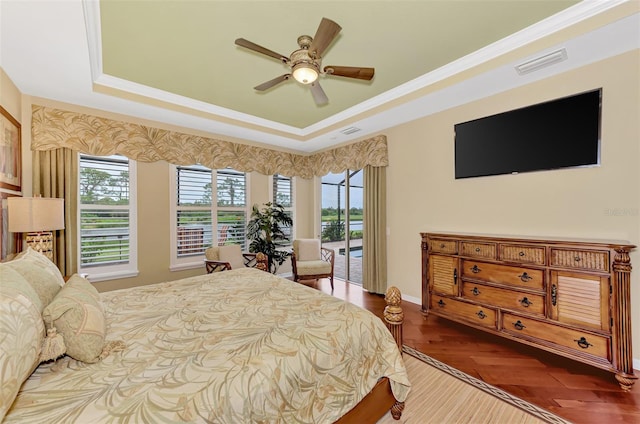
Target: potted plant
(266,235)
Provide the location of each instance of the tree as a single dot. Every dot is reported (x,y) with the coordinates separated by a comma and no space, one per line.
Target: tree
(265,230)
(230,185)
(92,182)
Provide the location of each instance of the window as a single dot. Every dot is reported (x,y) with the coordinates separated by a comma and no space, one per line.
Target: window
(107,217)
(231,207)
(193,217)
(282,193)
(205,217)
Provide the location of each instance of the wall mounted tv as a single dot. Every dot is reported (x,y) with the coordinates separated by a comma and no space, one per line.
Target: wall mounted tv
(561,133)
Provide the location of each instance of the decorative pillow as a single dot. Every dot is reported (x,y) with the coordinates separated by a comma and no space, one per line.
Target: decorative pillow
(77,314)
(231,253)
(42,274)
(21,334)
(308,250)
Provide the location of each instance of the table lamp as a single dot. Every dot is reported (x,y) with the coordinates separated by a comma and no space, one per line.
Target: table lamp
(36,216)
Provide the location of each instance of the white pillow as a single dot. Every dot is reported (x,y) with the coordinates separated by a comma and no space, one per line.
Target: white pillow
(308,250)
(42,274)
(21,334)
(233,254)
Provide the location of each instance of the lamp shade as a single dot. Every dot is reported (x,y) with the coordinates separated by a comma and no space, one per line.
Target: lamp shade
(305,73)
(33,214)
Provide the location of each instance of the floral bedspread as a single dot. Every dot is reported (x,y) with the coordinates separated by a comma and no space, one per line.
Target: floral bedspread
(231,347)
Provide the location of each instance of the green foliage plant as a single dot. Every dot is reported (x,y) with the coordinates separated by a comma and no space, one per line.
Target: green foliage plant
(266,235)
(333,231)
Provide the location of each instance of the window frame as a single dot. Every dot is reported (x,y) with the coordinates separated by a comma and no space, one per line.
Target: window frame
(194,261)
(111,271)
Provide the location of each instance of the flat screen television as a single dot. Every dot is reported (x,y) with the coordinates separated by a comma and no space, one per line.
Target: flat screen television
(560,133)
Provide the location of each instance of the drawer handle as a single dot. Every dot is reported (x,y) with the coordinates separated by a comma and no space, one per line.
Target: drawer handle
(481,315)
(554,294)
(521,254)
(519,326)
(526,302)
(577,258)
(477,250)
(441,245)
(583,343)
(475,291)
(475,269)
(525,277)
(441,303)
(455,276)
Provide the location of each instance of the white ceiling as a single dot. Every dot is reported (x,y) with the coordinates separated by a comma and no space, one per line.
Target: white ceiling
(61,50)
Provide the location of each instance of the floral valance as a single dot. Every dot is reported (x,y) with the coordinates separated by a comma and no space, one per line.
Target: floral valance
(54,128)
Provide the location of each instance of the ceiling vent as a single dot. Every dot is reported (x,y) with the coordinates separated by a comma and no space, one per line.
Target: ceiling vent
(350,130)
(542,62)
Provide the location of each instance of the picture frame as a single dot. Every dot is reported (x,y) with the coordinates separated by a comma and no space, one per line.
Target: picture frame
(10,152)
(10,243)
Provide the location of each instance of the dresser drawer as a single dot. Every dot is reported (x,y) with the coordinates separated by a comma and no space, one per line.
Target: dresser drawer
(522,253)
(443,246)
(478,250)
(595,260)
(504,298)
(476,314)
(504,274)
(580,341)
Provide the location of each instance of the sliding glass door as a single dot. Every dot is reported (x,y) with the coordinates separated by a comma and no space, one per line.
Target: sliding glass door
(342,222)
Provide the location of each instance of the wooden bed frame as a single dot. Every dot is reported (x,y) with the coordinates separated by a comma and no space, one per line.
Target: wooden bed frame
(380,399)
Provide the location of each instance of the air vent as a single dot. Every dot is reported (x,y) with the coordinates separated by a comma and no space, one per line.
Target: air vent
(542,62)
(350,130)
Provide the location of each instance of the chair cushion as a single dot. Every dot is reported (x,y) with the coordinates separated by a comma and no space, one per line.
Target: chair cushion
(212,253)
(313,267)
(307,249)
(231,253)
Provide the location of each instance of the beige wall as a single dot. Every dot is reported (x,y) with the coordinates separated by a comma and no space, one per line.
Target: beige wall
(424,196)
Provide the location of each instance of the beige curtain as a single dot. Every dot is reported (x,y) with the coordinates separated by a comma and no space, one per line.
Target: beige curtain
(374,240)
(55,174)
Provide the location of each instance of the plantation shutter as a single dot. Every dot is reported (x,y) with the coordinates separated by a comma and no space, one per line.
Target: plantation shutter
(104,210)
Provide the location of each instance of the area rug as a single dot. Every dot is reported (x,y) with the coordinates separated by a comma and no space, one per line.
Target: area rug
(441,394)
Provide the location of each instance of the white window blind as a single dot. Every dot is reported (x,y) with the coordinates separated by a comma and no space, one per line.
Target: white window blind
(193,219)
(231,211)
(210,209)
(106,214)
(282,194)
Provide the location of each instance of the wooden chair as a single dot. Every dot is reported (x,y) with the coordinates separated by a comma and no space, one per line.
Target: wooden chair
(310,261)
(222,258)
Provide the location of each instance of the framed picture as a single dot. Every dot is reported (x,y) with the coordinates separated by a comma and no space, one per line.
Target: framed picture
(11,242)
(10,159)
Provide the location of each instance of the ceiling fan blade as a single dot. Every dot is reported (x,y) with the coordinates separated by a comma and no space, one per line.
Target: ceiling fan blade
(318,94)
(327,31)
(256,48)
(271,83)
(350,72)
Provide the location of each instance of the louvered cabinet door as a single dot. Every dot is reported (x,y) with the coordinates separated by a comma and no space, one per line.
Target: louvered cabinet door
(580,299)
(443,275)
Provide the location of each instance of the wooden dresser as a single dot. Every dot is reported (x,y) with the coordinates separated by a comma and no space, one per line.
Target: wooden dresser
(568,297)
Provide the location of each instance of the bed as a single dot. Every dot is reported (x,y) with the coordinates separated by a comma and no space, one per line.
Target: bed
(232,347)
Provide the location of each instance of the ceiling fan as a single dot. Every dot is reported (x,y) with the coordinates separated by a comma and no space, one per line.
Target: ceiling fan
(305,63)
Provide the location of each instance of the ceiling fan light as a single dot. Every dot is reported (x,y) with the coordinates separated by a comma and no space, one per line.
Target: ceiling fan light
(305,73)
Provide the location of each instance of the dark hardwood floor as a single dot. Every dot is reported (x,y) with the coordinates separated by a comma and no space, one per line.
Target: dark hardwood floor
(577,392)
